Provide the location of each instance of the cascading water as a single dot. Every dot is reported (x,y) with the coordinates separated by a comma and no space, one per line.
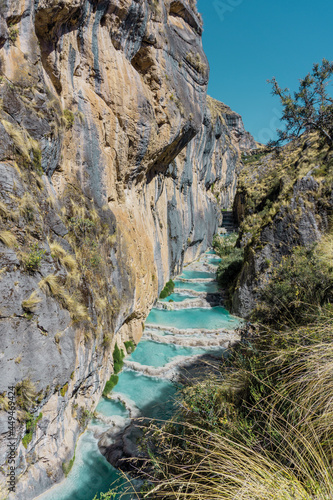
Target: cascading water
(176,335)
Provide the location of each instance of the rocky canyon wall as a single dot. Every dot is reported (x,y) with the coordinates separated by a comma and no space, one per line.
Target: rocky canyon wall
(114,166)
(284,202)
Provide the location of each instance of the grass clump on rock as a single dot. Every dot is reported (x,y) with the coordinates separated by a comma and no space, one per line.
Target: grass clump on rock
(51,285)
(8,239)
(29,305)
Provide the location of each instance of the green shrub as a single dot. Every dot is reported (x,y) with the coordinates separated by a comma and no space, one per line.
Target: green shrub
(229,268)
(85,416)
(224,245)
(297,289)
(231,259)
(69,118)
(64,389)
(118,359)
(167,290)
(110,495)
(254,156)
(37,161)
(67,466)
(33,259)
(110,384)
(26,439)
(13,34)
(129,346)
(31,424)
(81,225)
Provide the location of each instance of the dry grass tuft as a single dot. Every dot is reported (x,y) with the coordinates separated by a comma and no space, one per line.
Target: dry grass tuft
(267,436)
(325,250)
(4,211)
(26,394)
(4,402)
(111,239)
(19,139)
(57,251)
(78,311)
(70,263)
(224,469)
(8,239)
(51,286)
(30,304)
(27,207)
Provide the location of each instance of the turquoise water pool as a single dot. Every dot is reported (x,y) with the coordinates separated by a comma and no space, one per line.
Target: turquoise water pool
(153,353)
(111,408)
(91,474)
(210,318)
(177,297)
(211,287)
(194,275)
(153,396)
(214,262)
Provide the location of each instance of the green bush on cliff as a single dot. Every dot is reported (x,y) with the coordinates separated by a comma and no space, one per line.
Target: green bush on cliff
(33,259)
(118,359)
(110,384)
(167,290)
(118,362)
(129,346)
(231,259)
(31,424)
(13,34)
(299,287)
(229,268)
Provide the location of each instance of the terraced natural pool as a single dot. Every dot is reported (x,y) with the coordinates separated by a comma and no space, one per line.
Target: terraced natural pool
(150,395)
(207,318)
(210,287)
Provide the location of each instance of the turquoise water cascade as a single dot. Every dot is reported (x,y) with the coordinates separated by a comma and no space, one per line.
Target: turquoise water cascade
(176,334)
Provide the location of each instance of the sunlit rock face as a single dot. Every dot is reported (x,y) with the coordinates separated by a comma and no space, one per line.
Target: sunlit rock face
(109,149)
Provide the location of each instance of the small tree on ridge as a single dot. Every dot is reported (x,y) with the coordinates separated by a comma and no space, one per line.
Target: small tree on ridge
(311,108)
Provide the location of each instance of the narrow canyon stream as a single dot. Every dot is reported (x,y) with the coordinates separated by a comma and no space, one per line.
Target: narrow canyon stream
(179,332)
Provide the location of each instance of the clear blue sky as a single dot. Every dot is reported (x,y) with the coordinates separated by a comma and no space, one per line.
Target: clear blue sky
(250,41)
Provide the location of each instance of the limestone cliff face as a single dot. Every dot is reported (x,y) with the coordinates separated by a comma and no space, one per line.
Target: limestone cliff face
(112,165)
